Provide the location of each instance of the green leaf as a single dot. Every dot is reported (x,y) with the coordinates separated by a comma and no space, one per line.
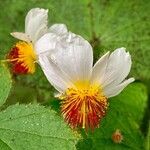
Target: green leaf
(4,146)
(124,113)
(5,83)
(34,127)
(124,24)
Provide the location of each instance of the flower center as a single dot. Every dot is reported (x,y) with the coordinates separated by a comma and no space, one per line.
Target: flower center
(84,106)
(23,58)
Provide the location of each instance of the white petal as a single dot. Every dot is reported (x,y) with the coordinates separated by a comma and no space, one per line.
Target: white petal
(54,75)
(21,36)
(59,29)
(99,68)
(118,67)
(46,43)
(57,94)
(74,57)
(115,90)
(36,23)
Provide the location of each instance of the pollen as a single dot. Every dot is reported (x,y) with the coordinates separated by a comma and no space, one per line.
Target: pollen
(22,58)
(84,106)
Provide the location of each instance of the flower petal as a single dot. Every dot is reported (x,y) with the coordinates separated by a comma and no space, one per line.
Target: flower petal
(57,34)
(59,29)
(36,23)
(115,90)
(46,43)
(118,67)
(54,74)
(21,36)
(75,57)
(111,70)
(99,68)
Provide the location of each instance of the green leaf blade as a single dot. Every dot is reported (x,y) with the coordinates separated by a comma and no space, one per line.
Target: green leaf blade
(5,83)
(34,127)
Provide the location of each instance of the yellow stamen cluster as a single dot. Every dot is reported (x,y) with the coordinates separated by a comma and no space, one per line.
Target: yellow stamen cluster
(23,57)
(27,55)
(84,105)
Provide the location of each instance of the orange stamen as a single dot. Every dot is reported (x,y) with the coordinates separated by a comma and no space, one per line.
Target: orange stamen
(84,107)
(22,58)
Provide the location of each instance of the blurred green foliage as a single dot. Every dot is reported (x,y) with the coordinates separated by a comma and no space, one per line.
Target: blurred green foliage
(107,24)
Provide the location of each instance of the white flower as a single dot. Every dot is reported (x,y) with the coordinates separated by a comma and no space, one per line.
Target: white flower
(84,88)
(24,54)
(35,25)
